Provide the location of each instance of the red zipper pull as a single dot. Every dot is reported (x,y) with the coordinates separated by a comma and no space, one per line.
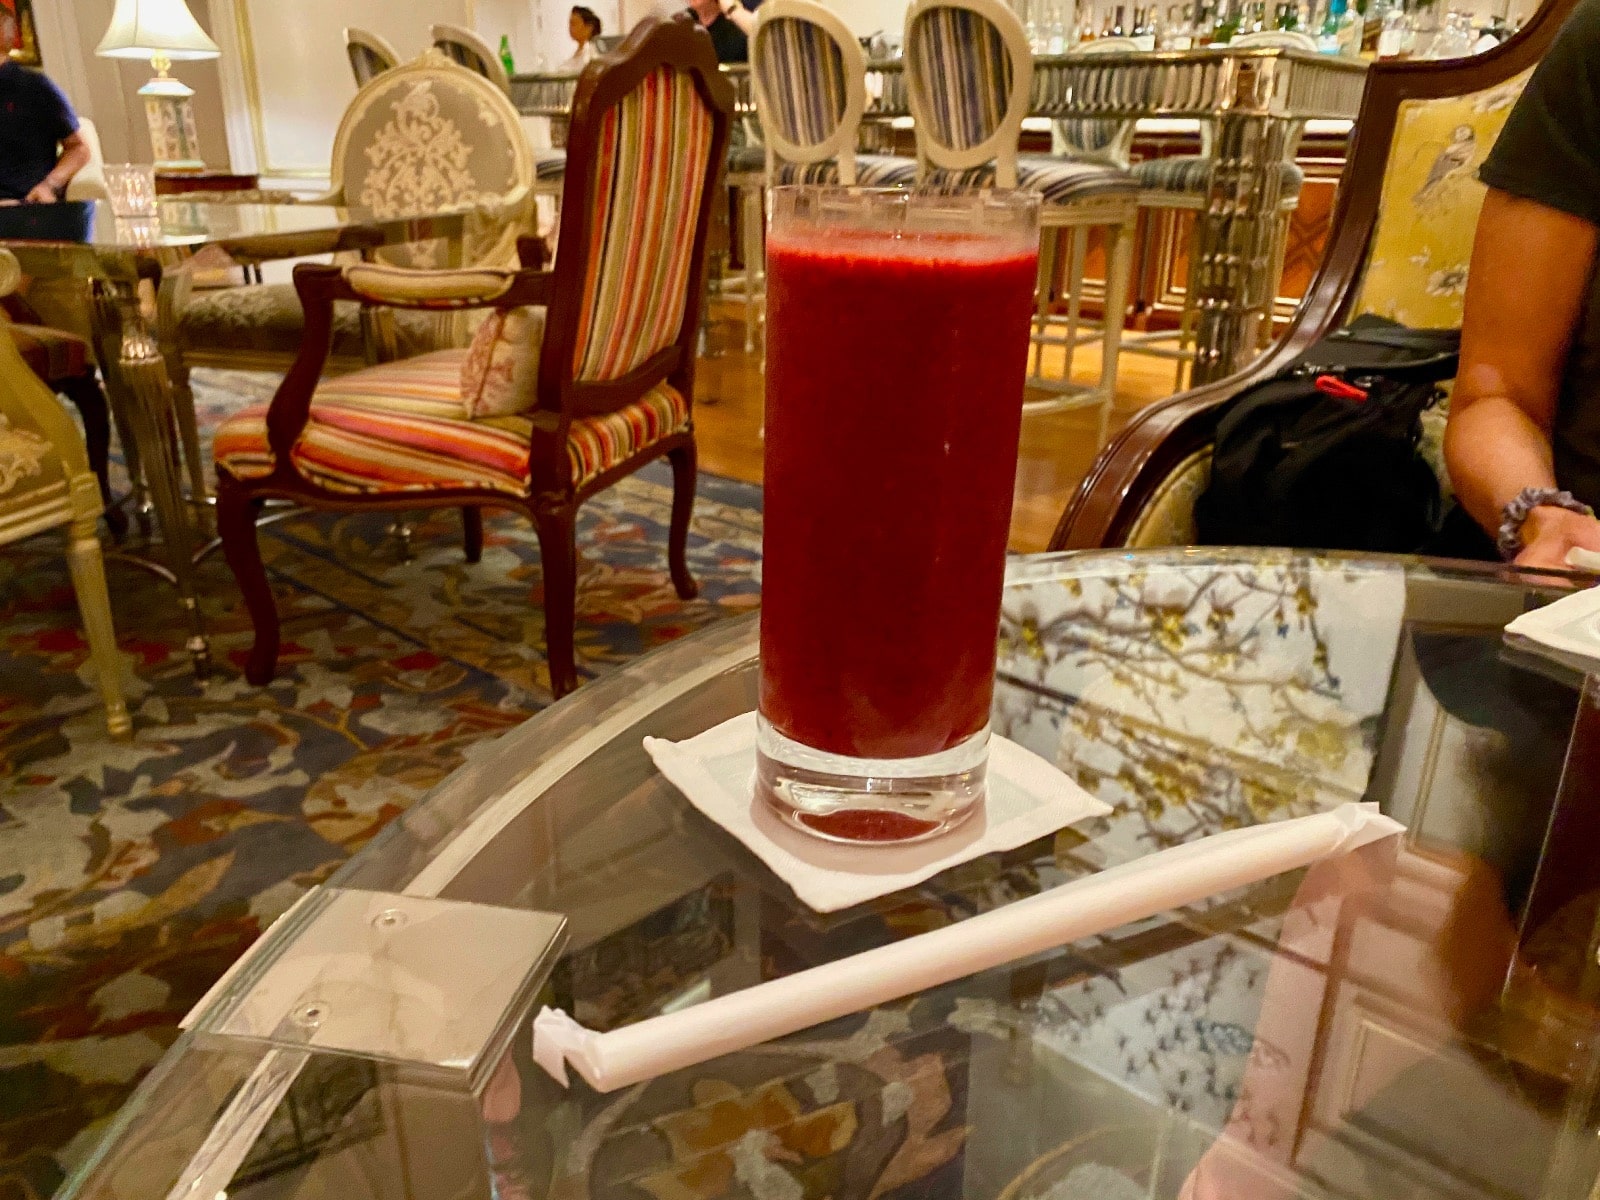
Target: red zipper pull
(1332,385)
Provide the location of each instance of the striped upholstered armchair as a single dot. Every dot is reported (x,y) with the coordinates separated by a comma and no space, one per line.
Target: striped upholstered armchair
(580,376)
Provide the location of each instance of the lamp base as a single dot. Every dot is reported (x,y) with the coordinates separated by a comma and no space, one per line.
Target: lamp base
(170,114)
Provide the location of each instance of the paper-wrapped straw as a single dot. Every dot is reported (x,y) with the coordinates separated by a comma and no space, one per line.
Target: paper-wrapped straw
(1114,897)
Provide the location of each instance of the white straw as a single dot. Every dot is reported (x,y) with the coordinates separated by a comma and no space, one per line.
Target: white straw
(1114,897)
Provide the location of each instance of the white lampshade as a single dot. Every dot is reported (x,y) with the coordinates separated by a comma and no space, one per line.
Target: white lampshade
(147,28)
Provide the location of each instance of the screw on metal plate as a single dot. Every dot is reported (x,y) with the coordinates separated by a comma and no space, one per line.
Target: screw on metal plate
(390,918)
(311,1015)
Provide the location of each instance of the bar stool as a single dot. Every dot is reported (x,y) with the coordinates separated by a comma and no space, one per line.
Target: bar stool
(370,55)
(970,75)
(1177,184)
(465,48)
(809,76)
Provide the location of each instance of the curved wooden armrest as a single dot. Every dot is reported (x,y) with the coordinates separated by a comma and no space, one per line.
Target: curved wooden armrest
(319,287)
(383,284)
(1124,476)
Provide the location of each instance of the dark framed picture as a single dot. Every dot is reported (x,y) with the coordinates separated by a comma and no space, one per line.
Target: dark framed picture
(17,18)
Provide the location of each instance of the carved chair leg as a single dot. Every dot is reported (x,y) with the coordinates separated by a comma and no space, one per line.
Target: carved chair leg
(90,400)
(94,603)
(683,479)
(472,531)
(236,527)
(188,424)
(558,553)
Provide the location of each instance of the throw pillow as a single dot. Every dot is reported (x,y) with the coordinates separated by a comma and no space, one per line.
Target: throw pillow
(501,370)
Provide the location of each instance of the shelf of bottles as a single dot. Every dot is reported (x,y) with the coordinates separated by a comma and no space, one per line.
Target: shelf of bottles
(1364,29)
(547,95)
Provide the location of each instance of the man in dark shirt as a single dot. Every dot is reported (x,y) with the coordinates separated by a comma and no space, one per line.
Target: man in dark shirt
(730,23)
(1523,442)
(41,148)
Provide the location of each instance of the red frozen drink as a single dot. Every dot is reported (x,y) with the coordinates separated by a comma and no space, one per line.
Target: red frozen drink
(898,330)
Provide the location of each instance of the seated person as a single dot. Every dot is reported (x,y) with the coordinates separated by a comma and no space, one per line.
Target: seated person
(730,24)
(41,148)
(584,26)
(1523,441)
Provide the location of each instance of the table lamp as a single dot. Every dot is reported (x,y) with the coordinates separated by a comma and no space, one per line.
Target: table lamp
(162,31)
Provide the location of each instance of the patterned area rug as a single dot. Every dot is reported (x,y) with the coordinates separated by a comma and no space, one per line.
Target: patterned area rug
(132,874)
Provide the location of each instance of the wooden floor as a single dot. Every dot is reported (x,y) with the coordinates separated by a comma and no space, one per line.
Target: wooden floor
(1056,452)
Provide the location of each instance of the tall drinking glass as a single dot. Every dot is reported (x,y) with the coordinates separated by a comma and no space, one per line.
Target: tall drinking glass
(898,327)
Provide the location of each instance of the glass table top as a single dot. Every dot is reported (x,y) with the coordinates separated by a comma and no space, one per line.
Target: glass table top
(1412,1020)
(181,227)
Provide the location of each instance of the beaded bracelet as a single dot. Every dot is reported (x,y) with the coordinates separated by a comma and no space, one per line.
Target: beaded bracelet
(1515,514)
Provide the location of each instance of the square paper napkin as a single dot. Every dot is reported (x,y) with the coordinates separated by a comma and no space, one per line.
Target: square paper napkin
(1028,798)
(1567,630)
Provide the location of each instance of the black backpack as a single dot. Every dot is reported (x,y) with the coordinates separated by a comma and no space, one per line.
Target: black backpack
(1324,454)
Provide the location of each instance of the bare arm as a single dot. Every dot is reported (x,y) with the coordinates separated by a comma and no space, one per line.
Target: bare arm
(740,16)
(74,158)
(1531,267)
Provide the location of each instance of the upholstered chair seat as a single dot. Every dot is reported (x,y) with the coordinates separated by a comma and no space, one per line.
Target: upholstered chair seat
(549,165)
(405,427)
(267,319)
(50,353)
(1188,173)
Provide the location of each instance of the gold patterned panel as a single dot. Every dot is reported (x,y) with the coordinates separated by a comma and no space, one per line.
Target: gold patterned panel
(1167,519)
(1417,273)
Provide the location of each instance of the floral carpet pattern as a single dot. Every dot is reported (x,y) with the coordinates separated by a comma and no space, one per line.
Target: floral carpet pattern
(133,873)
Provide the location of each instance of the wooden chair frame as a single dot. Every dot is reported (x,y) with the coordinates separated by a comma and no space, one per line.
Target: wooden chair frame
(494,70)
(1001,145)
(364,40)
(75,502)
(551,501)
(841,143)
(1138,462)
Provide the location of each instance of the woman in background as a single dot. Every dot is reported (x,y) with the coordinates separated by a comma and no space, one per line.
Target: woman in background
(584,26)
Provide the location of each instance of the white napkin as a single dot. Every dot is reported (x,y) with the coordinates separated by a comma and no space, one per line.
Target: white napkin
(1570,627)
(1028,798)
(1094,904)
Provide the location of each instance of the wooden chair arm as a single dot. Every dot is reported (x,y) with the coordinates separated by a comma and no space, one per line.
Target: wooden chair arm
(1128,471)
(467,287)
(320,287)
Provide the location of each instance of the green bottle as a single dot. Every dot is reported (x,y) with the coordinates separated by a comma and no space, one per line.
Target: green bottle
(509,63)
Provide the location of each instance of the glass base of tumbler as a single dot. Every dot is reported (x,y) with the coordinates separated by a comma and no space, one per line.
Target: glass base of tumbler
(877,800)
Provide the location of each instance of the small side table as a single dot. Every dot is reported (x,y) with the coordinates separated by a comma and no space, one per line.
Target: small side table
(176,183)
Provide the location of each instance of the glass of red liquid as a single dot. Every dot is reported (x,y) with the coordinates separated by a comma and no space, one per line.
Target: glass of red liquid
(898,328)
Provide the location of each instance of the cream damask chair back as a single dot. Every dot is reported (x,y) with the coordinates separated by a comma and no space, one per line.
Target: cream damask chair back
(431,135)
(423,137)
(45,483)
(370,55)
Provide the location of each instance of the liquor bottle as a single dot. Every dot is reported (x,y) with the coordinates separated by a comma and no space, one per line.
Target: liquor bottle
(1181,36)
(506,60)
(1118,29)
(1144,28)
(1105,30)
(1392,33)
(1328,36)
(1224,23)
(1288,17)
